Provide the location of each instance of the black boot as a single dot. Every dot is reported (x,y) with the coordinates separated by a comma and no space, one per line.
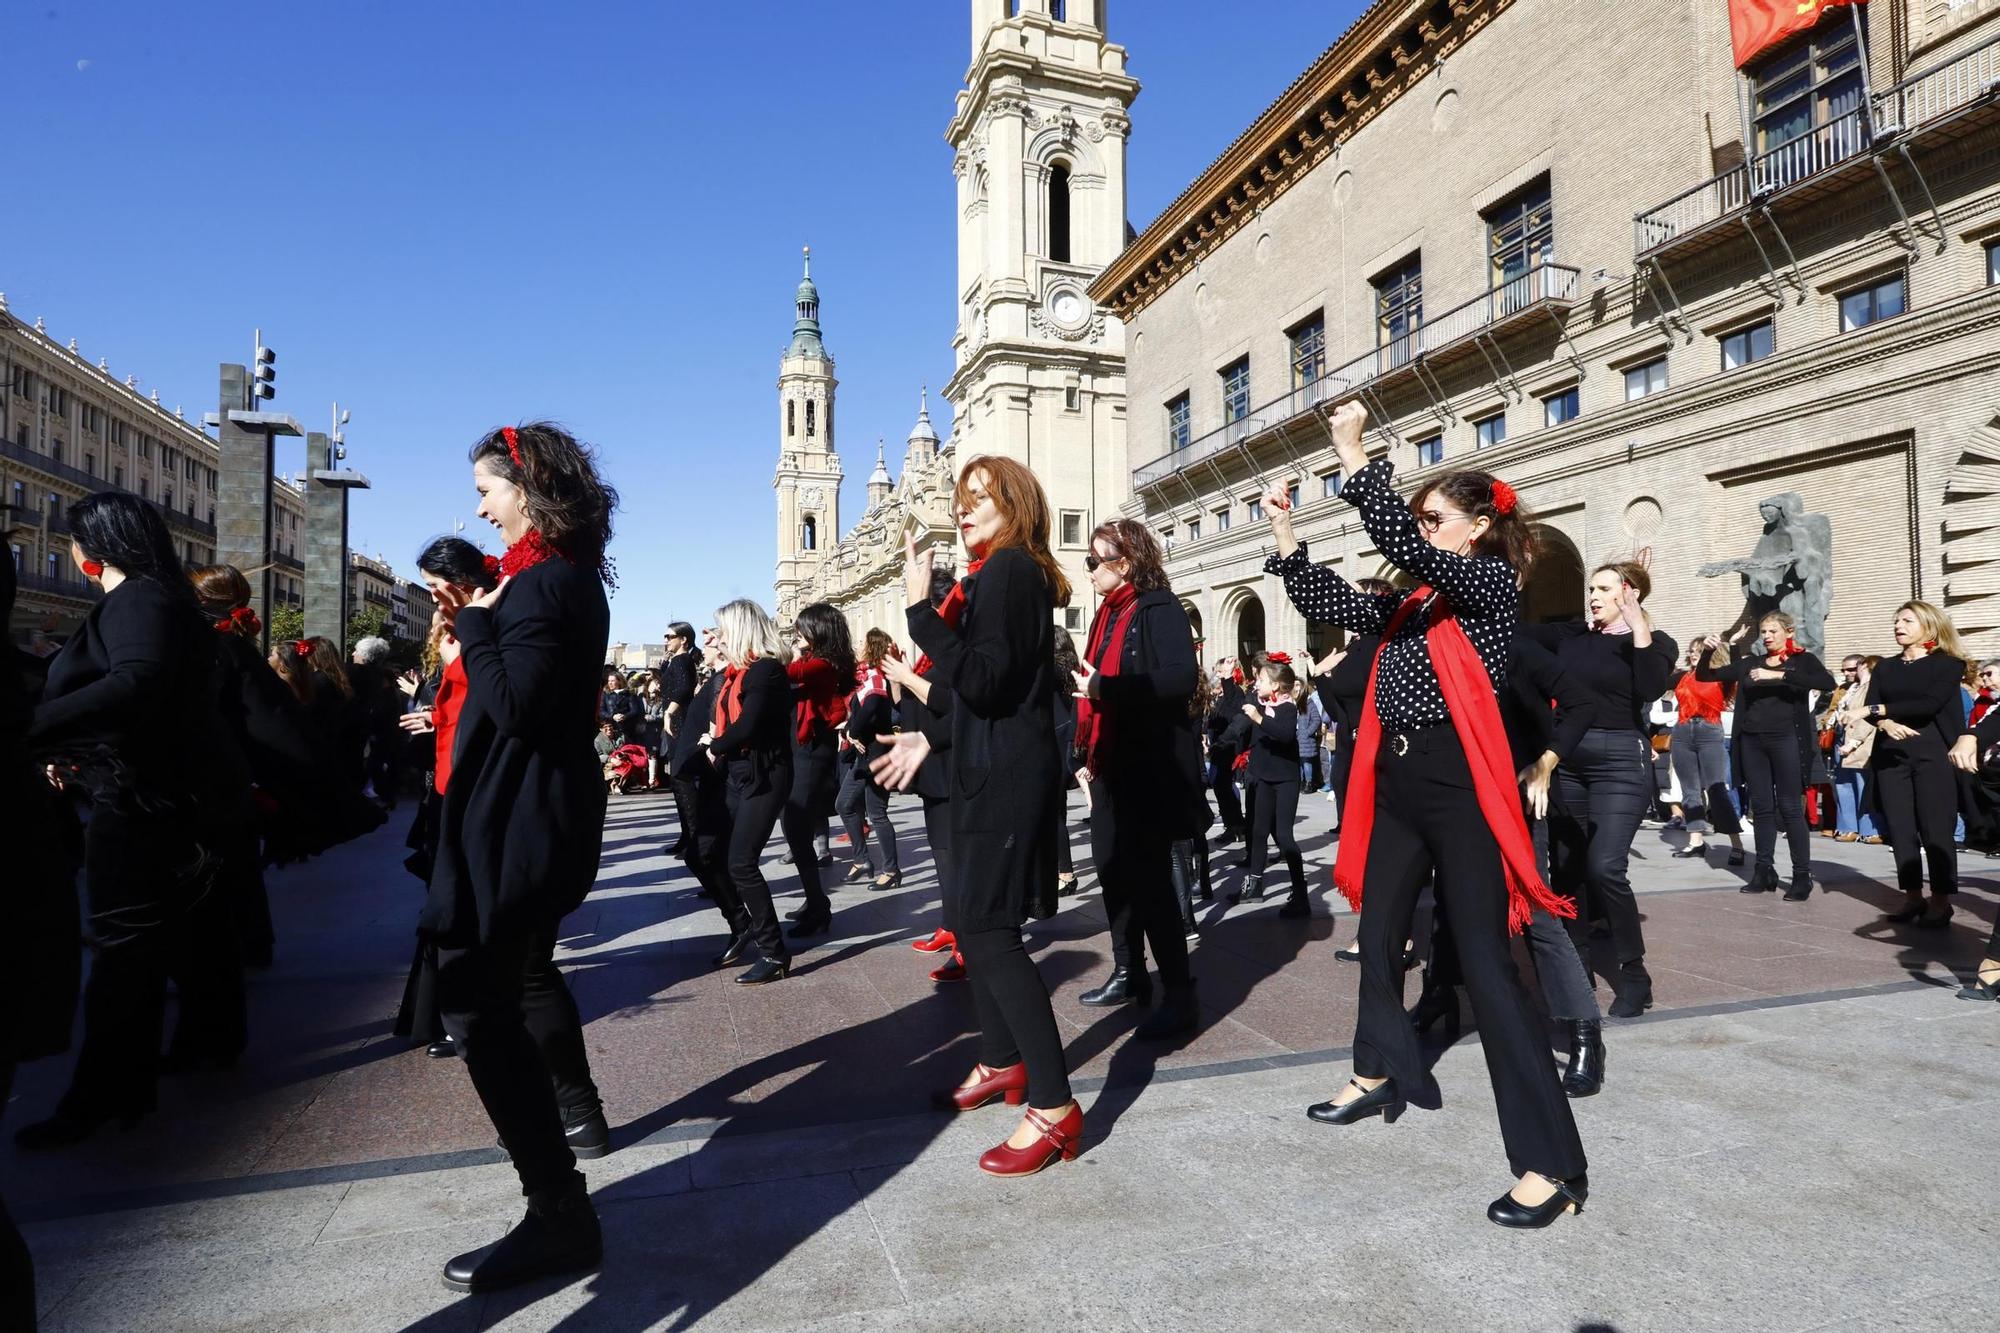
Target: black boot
(1634,991)
(739,945)
(1801,888)
(1180,866)
(1437,1002)
(1251,890)
(1763,879)
(1123,986)
(1179,1012)
(559,1235)
(589,1135)
(1297,905)
(1585,1074)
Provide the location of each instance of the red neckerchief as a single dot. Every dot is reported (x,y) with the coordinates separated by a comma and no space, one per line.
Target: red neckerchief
(1475,716)
(819,696)
(1982,704)
(530,551)
(445,707)
(952,609)
(1789,651)
(1106,652)
(729,699)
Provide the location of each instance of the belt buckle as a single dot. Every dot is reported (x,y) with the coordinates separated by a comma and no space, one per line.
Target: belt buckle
(1399,745)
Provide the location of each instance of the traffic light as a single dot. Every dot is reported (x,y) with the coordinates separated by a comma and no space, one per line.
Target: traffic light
(264,376)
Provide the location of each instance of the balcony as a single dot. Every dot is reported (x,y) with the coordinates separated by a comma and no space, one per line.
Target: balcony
(75,589)
(1545,290)
(1945,101)
(291,562)
(76,476)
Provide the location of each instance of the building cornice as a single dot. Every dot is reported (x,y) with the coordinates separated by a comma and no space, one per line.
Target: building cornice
(101,380)
(1005,68)
(1367,69)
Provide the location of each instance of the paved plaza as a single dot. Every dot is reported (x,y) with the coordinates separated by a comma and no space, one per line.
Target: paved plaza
(1799,1137)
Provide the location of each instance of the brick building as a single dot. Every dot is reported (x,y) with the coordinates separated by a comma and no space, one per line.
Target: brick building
(1584,253)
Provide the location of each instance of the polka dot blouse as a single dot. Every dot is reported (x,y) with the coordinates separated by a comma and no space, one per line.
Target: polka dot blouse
(1481,589)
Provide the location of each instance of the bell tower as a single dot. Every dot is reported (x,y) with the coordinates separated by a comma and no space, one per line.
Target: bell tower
(808,478)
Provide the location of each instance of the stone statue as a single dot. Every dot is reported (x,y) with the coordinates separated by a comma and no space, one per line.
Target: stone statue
(1791,570)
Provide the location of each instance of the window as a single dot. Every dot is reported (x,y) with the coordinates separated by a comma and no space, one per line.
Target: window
(56,450)
(1073,618)
(1292,494)
(1059,213)
(1808,96)
(1430,451)
(1992,263)
(1560,407)
(1640,381)
(1072,398)
(145,488)
(1884,300)
(118,475)
(1179,418)
(20,496)
(1308,350)
(167,496)
(1490,431)
(1166,539)
(1072,527)
(1329,485)
(1746,345)
(55,505)
(1222,520)
(1399,309)
(54,567)
(1254,507)
(791,419)
(1236,390)
(211,523)
(809,419)
(1521,233)
(90,464)
(1194,529)
(808,531)
(1056,10)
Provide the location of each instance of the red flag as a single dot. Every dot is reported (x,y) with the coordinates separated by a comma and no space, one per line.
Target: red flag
(1755,26)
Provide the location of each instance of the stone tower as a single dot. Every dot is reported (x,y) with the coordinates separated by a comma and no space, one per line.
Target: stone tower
(1039,137)
(808,477)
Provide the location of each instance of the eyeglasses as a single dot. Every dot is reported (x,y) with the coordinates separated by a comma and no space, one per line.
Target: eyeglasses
(1430,520)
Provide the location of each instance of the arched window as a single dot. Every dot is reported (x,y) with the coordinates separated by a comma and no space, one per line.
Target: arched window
(1059,213)
(809,530)
(791,419)
(809,419)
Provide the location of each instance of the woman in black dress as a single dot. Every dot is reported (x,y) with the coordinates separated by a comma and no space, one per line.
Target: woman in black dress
(1915,702)
(1433,788)
(1139,752)
(128,720)
(750,741)
(520,833)
(1774,730)
(999,665)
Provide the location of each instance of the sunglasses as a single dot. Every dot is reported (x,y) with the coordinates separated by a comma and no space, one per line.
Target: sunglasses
(1093,561)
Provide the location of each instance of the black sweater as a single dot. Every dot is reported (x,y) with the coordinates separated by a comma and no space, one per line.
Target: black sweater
(1924,694)
(1625,679)
(1274,745)
(1771,707)
(1543,708)
(761,735)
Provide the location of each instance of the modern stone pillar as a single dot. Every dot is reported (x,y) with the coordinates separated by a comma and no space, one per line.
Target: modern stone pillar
(243,509)
(327,487)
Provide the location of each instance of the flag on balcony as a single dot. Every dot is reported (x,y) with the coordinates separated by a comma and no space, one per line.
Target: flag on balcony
(1755,26)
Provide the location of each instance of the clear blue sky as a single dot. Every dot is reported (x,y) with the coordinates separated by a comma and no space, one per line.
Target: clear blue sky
(451,214)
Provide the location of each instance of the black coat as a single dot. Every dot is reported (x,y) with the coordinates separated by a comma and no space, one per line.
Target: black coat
(932,717)
(1005,775)
(522,825)
(686,758)
(755,751)
(1152,765)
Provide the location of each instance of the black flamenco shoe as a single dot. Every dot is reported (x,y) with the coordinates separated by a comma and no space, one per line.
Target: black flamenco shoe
(766,971)
(1934,921)
(1736,858)
(1978,989)
(1684,853)
(444,1048)
(739,945)
(813,922)
(560,1235)
(1382,1100)
(1508,1211)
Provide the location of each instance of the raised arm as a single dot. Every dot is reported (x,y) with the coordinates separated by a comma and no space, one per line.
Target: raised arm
(1474,585)
(1731,672)
(1320,594)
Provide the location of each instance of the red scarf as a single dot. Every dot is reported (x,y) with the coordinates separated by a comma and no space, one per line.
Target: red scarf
(530,551)
(729,699)
(1475,716)
(445,708)
(952,609)
(1106,652)
(1982,703)
(820,696)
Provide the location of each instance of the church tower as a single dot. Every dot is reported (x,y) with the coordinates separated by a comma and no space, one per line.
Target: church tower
(1039,137)
(808,478)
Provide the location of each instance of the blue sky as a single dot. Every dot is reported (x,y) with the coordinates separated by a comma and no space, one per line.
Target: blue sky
(451,214)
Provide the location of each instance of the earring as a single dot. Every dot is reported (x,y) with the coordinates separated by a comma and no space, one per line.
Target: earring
(93,568)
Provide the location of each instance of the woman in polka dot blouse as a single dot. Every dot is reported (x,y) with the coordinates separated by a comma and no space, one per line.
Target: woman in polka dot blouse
(1464,538)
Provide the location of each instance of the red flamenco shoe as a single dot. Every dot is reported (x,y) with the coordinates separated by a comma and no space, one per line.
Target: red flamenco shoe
(1057,1139)
(940,940)
(953,969)
(1011,1083)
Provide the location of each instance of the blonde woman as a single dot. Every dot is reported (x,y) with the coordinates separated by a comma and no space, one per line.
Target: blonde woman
(1914,703)
(1854,746)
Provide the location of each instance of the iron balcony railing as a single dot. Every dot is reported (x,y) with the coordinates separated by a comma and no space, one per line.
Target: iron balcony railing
(1919,99)
(41,583)
(1540,283)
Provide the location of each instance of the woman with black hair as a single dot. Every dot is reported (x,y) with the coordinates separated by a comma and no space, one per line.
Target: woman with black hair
(1433,789)
(1272,776)
(520,832)
(749,740)
(992,646)
(128,721)
(863,806)
(822,675)
(1137,739)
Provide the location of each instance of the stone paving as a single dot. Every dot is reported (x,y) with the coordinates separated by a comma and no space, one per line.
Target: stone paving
(1790,1141)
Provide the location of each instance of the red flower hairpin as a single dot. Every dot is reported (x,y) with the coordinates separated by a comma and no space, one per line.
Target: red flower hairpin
(1278,659)
(1504,498)
(508,434)
(302,648)
(492,564)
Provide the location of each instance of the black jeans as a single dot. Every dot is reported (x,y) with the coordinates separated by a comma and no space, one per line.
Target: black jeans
(1602,792)
(1016,1021)
(1134,858)
(860,798)
(1777,795)
(1274,810)
(815,785)
(1428,822)
(1226,803)
(937,832)
(510,1012)
(1918,798)
(752,816)
(704,813)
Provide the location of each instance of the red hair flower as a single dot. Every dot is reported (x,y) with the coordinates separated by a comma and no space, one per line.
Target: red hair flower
(302,648)
(513,445)
(1278,659)
(492,563)
(1504,498)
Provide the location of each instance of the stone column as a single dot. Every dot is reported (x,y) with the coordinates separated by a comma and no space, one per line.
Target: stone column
(326,583)
(243,491)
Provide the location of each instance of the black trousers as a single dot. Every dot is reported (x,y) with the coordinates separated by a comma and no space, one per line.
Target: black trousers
(17,1266)
(752,816)
(1918,798)
(861,800)
(815,785)
(704,813)
(1777,788)
(1133,853)
(1226,803)
(510,1012)
(1601,794)
(1016,1021)
(937,832)
(1065,852)
(1274,810)
(1427,821)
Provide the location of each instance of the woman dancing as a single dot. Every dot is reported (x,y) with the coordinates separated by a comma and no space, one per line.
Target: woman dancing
(1433,789)
(822,673)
